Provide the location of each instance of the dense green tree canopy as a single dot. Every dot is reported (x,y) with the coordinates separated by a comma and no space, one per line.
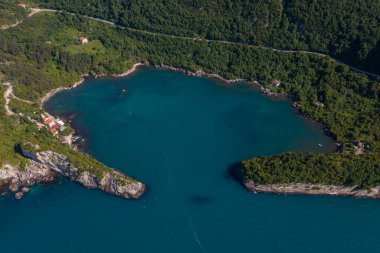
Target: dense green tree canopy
(346,29)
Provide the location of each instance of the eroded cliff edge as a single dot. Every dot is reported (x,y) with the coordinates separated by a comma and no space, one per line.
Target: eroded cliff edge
(313,174)
(314,189)
(44,165)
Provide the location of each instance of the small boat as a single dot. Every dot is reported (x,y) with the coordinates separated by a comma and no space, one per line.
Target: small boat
(320,145)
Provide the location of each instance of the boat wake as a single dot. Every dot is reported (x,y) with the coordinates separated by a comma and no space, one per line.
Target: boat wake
(191,225)
(189,218)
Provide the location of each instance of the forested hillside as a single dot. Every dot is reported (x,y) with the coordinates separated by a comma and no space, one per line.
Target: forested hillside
(347,29)
(44,52)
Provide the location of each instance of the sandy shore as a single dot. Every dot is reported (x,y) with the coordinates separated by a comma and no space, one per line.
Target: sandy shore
(130,71)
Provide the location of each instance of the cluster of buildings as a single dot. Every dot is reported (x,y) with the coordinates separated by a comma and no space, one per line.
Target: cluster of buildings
(54,125)
(275,83)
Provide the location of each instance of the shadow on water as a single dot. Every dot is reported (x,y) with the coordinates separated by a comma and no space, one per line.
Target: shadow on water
(235,173)
(201,200)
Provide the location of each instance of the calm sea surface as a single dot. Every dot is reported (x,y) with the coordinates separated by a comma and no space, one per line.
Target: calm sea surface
(179,135)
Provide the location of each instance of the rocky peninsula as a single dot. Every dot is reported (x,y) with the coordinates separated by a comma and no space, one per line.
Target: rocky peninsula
(44,166)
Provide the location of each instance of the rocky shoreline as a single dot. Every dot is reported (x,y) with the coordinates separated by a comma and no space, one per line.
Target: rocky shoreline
(313,189)
(202,73)
(51,93)
(199,73)
(44,166)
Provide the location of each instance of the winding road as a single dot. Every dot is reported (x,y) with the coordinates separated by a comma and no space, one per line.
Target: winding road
(4,27)
(34,11)
(7,96)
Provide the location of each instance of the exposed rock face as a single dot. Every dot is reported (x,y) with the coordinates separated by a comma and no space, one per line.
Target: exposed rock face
(45,165)
(88,180)
(310,189)
(111,183)
(13,179)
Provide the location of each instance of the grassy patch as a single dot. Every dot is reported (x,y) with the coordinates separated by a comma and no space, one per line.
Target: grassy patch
(92,48)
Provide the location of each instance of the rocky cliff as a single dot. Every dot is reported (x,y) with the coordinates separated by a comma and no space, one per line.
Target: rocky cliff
(44,166)
(313,189)
(14,180)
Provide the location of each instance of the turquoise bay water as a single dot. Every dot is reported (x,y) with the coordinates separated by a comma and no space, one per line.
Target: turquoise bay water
(179,135)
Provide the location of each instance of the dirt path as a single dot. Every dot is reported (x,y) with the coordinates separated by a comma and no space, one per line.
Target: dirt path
(20,99)
(7,96)
(4,27)
(33,11)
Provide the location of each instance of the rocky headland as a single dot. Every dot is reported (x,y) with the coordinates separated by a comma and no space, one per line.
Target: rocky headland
(44,166)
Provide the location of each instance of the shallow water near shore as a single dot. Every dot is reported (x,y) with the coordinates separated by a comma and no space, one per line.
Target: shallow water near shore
(180,135)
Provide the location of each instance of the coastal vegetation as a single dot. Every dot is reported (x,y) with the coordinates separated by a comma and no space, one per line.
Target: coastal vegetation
(328,169)
(44,53)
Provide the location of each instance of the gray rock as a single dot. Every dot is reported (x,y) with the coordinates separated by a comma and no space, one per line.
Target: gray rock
(13,188)
(314,189)
(89,180)
(19,195)
(25,189)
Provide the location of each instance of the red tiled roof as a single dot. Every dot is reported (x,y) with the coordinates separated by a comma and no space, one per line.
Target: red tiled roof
(56,126)
(47,121)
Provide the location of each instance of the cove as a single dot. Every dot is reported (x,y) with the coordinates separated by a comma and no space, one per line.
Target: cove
(179,135)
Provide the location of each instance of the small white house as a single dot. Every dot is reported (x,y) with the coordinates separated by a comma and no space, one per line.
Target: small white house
(22,5)
(275,83)
(319,104)
(83,40)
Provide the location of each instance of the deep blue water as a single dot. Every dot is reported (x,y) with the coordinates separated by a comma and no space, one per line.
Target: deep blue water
(179,135)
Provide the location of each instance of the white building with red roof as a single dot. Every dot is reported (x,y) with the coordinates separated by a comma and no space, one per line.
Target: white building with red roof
(83,40)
